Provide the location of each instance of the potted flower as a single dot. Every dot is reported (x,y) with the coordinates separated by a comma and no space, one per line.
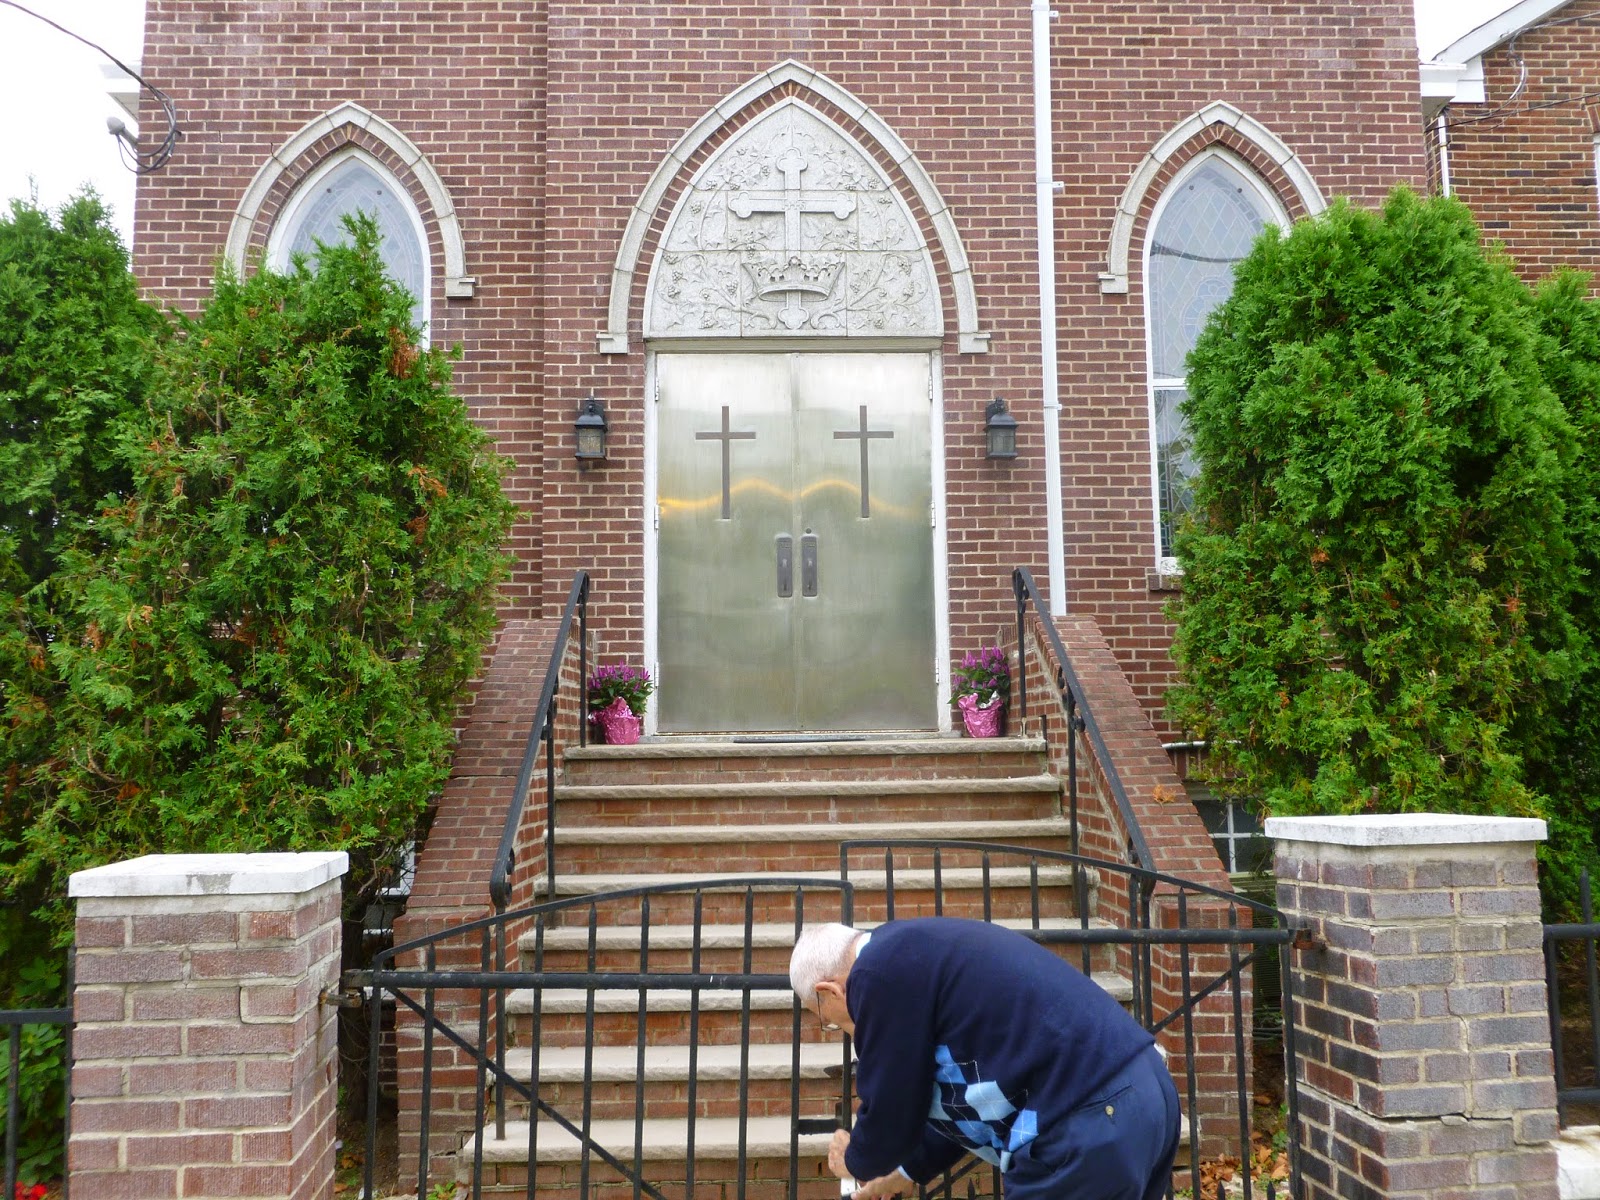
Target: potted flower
(617,696)
(981,691)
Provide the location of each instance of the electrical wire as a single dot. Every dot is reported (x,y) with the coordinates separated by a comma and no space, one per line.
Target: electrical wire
(138,161)
(1507,108)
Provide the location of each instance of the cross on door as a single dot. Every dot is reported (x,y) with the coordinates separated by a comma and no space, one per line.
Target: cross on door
(727,438)
(790,202)
(863,434)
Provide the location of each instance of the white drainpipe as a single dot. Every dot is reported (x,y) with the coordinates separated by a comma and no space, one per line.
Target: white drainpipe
(1046,187)
(1443,126)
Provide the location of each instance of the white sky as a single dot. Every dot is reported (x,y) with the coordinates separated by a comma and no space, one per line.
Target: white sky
(54,96)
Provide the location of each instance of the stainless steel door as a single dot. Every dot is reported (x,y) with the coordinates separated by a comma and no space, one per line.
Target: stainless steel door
(795,548)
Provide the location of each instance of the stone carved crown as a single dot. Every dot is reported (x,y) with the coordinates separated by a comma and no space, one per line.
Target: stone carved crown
(803,274)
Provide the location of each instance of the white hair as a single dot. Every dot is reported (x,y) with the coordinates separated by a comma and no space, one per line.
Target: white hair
(820,952)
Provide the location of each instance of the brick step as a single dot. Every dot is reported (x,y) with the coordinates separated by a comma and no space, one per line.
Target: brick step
(720,1018)
(856,798)
(616,1088)
(768,846)
(1010,891)
(566,948)
(763,1174)
(677,759)
(660,1146)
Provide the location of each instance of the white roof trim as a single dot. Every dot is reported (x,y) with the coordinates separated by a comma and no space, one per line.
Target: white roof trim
(457,283)
(1498,29)
(1114,279)
(614,338)
(1454,75)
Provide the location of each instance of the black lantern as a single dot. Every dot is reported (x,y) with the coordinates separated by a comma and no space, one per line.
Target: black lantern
(1000,427)
(590,431)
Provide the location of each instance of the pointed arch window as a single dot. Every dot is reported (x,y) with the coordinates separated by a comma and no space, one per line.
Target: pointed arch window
(353,182)
(1203,225)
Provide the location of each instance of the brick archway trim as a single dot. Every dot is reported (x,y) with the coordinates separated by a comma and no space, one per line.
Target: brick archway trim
(457,283)
(1114,279)
(614,340)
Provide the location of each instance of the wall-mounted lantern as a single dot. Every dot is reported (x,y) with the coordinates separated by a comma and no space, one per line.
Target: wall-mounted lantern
(1000,430)
(590,433)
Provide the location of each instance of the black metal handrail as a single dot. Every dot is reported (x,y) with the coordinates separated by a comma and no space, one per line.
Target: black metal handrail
(1586,933)
(542,734)
(1079,717)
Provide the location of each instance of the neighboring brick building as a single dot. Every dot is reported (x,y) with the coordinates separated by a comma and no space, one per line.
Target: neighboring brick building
(1514,116)
(545,154)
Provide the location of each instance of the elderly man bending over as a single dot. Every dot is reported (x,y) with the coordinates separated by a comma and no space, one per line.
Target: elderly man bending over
(973,1038)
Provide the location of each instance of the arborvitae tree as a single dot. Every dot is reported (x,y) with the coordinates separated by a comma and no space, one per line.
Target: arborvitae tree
(273,627)
(1563,759)
(1376,580)
(76,347)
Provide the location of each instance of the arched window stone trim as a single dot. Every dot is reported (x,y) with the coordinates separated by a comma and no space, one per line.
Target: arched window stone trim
(350,123)
(874,131)
(1220,118)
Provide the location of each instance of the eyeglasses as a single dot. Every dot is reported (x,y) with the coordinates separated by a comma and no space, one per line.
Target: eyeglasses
(827,1025)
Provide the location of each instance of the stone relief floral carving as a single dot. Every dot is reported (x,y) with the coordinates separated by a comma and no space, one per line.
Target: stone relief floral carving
(791,230)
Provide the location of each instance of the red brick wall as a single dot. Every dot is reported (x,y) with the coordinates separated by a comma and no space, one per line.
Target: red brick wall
(546,120)
(1526,166)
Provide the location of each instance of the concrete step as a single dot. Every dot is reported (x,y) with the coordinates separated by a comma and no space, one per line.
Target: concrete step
(662,1140)
(566,938)
(960,893)
(574,1001)
(780,846)
(862,797)
(751,759)
(615,1087)
(619,1064)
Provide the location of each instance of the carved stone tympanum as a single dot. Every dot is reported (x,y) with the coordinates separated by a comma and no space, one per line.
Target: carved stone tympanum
(791,230)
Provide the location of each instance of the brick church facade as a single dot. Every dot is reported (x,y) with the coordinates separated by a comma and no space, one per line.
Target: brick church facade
(794,254)
(553,157)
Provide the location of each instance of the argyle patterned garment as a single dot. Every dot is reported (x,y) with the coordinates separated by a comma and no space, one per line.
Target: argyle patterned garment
(975,1113)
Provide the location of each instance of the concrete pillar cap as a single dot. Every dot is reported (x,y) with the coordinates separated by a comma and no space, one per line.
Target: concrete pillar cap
(210,875)
(1406,829)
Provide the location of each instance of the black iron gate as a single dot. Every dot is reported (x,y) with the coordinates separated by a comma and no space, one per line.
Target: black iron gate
(641,1043)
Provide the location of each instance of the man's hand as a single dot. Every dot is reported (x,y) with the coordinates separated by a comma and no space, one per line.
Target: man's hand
(891,1184)
(836,1149)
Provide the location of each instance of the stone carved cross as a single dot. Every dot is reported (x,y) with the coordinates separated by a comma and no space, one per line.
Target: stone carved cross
(865,435)
(791,201)
(727,437)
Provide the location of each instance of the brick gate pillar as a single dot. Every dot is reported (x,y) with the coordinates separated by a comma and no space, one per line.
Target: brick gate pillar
(1423,1038)
(204,1062)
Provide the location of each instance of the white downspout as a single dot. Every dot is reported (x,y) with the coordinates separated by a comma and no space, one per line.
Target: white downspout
(1046,187)
(1443,127)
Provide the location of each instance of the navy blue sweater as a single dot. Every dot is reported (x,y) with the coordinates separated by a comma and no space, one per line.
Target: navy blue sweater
(972,1038)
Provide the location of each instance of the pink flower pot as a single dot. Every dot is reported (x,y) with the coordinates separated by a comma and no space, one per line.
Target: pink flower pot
(617,724)
(987,721)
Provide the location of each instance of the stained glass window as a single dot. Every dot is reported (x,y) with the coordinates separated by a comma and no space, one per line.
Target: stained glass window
(355,184)
(1206,223)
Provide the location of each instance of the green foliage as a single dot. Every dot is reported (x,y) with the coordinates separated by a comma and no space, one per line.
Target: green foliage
(1377,576)
(273,624)
(1563,762)
(74,354)
(41,1074)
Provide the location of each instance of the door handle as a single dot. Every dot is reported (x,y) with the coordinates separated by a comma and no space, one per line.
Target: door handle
(785,566)
(808,565)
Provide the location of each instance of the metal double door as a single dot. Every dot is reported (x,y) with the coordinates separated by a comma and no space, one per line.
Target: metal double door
(795,585)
